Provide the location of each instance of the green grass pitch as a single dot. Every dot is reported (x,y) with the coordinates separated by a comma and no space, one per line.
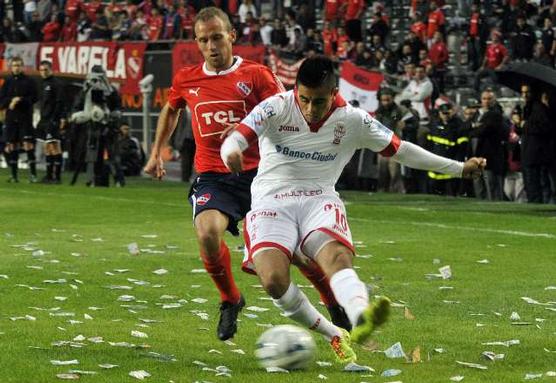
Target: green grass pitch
(79,237)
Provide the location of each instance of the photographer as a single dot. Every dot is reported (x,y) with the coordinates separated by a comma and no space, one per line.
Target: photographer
(51,123)
(97,114)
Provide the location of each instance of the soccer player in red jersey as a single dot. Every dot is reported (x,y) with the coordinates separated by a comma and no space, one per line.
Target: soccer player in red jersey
(221,92)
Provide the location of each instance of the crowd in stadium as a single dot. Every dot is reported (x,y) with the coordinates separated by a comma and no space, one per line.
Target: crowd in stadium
(416,65)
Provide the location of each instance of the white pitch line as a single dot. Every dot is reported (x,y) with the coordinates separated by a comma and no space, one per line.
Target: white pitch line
(453,227)
(115,199)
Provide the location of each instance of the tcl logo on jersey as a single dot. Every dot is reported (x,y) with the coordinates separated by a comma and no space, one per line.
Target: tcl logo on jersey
(220,117)
(202,200)
(212,116)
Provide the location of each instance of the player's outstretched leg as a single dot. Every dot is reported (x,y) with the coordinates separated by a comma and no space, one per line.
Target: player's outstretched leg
(273,270)
(313,272)
(352,294)
(373,316)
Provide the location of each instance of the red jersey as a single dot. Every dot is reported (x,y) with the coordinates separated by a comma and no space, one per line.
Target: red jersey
(474,25)
(420,29)
(156,23)
(329,37)
(438,54)
(354,9)
(72,9)
(436,19)
(51,31)
(91,9)
(331,9)
(219,98)
(494,54)
(69,32)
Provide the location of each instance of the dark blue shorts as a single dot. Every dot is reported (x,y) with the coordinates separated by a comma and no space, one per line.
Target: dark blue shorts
(228,193)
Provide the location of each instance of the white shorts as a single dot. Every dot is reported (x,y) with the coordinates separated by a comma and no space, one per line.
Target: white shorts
(297,224)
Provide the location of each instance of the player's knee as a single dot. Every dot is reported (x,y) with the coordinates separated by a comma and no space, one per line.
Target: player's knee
(275,282)
(209,241)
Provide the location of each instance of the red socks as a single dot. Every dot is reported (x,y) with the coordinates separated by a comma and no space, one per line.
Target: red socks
(220,270)
(312,271)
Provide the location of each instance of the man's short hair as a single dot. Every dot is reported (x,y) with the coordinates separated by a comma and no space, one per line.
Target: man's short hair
(208,13)
(16,59)
(317,71)
(46,63)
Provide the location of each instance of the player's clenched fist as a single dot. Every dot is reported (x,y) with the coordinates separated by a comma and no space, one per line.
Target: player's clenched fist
(155,167)
(473,167)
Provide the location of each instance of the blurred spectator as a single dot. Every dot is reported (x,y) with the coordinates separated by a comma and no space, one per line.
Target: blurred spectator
(540,56)
(536,155)
(332,10)
(245,7)
(35,28)
(100,28)
(378,26)
(476,23)
(361,56)
(416,44)
(330,38)
(51,30)
(392,115)
(44,7)
(266,31)
(69,31)
(405,56)
(92,9)
(172,24)
(523,40)
(313,41)
(377,44)
(514,189)
(487,140)
(305,17)
(132,156)
(438,54)
(419,28)
(343,42)
(547,38)
(83,27)
(278,36)
(353,13)
(436,21)
(155,25)
(29,7)
(496,56)
(419,91)
(72,9)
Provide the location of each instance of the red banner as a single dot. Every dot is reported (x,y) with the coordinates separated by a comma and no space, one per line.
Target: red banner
(360,84)
(284,71)
(123,62)
(187,53)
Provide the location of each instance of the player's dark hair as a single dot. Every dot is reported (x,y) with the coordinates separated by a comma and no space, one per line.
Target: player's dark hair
(208,13)
(46,63)
(317,71)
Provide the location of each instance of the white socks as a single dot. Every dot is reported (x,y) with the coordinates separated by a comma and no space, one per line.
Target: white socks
(350,293)
(295,305)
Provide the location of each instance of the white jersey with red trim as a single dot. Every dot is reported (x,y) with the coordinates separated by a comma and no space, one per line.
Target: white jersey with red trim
(297,157)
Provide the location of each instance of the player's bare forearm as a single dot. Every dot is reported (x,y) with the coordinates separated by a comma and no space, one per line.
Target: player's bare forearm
(165,126)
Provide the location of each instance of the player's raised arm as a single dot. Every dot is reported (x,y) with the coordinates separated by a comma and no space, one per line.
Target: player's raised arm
(165,126)
(379,138)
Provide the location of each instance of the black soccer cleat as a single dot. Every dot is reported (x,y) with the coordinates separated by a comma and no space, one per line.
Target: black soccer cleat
(227,325)
(338,316)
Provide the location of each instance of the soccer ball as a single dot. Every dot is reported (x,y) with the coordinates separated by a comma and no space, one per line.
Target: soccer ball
(286,346)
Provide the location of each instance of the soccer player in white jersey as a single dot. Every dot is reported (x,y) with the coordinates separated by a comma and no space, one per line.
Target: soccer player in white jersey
(306,137)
